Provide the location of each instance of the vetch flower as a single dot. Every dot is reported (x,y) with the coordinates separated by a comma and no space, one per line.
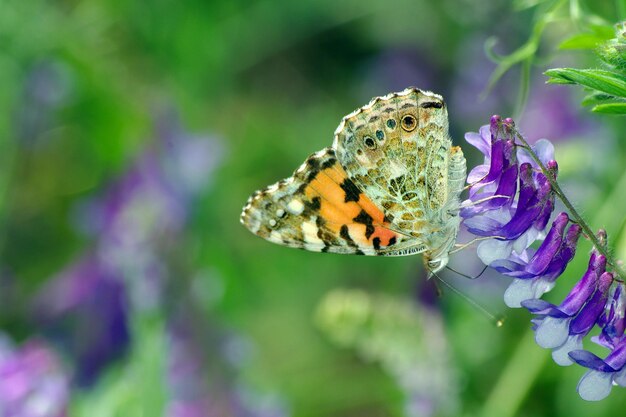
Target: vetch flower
(596,384)
(84,309)
(511,199)
(32,382)
(562,328)
(508,201)
(538,275)
(613,321)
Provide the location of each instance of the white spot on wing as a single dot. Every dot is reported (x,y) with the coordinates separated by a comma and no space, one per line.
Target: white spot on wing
(309,230)
(295,207)
(275,237)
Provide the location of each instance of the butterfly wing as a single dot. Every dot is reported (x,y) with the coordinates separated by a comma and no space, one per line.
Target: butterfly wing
(320,209)
(398,150)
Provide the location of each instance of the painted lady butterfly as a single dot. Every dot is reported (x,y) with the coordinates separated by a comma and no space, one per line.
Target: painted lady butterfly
(389,185)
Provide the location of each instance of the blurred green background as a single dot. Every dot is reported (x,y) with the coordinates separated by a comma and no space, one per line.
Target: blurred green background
(131,135)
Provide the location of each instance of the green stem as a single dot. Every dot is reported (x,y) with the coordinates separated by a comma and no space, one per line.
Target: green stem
(517,378)
(599,246)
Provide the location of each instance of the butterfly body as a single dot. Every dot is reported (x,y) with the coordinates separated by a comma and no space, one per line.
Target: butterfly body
(389,185)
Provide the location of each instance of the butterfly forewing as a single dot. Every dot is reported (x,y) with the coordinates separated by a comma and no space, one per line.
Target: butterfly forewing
(319,209)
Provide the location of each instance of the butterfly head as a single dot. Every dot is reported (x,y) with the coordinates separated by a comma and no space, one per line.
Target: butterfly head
(434,265)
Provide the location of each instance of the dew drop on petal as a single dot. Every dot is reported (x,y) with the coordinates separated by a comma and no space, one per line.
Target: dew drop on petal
(595,385)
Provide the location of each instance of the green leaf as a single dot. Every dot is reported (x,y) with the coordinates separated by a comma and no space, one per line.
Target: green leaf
(604,81)
(595,98)
(582,41)
(610,108)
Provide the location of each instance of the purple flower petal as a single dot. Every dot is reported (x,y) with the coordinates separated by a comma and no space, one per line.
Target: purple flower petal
(480,140)
(543,148)
(589,360)
(588,315)
(585,287)
(617,358)
(541,260)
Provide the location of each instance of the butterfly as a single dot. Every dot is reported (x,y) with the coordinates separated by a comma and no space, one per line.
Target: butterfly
(389,185)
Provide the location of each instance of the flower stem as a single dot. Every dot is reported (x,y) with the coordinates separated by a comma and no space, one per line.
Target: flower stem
(599,246)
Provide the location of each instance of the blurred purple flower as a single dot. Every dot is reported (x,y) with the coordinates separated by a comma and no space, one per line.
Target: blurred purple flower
(135,226)
(510,203)
(202,388)
(143,214)
(397,67)
(556,104)
(84,309)
(32,382)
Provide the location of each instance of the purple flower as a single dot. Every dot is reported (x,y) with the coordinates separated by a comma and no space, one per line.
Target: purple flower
(84,309)
(563,328)
(596,384)
(511,199)
(142,215)
(537,276)
(613,321)
(32,382)
(507,201)
(200,380)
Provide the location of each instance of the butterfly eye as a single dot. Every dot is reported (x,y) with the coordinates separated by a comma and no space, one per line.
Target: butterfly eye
(369,142)
(408,123)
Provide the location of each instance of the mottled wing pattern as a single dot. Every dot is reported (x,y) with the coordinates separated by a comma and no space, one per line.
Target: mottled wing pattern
(319,209)
(398,150)
(390,185)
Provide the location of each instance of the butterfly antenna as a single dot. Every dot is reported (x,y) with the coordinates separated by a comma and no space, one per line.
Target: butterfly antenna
(460,246)
(498,319)
(465,275)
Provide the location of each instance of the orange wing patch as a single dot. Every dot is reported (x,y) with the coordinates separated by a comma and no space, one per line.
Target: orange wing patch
(347,212)
(319,209)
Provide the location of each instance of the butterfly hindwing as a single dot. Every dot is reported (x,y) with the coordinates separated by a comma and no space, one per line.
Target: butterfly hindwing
(320,209)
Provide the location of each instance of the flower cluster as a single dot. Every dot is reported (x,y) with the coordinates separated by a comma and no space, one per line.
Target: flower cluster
(511,200)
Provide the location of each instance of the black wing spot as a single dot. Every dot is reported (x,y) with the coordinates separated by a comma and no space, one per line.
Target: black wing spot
(392,241)
(367,220)
(376,243)
(343,232)
(311,176)
(345,235)
(329,163)
(431,105)
(351,190)
(314,204)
